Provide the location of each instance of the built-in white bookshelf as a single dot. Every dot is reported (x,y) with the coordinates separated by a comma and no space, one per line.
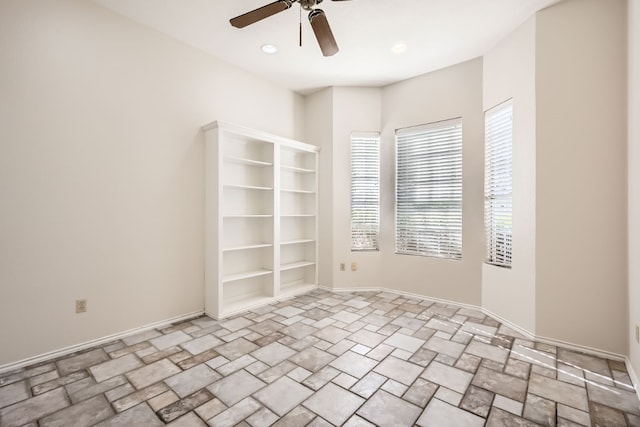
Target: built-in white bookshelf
(260,218)
(298,222)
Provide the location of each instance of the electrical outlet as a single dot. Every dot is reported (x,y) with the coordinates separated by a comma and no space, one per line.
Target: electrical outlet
(81,306)
(354,266)
(638,334)
(343,267)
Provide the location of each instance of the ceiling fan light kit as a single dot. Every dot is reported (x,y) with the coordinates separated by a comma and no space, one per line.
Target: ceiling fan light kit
(317,19)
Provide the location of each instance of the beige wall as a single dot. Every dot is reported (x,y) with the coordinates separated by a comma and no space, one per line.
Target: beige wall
(568,280)
(509,73)
(634,181)
(101,179)
(101,170)
(581,218)
(354,109)
(318,123)
(331,116)
(451,92)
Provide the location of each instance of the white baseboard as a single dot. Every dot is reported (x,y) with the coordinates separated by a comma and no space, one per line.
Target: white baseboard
(527,334)
(632,375)
(582,348)
(264,302)
(82,346)
(509,324)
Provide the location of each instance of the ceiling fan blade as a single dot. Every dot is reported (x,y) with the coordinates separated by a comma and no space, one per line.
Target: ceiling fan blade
(260,13)
(323,33)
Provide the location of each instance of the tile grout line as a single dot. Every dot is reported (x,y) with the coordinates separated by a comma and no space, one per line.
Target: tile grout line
(527,334)
(398,334)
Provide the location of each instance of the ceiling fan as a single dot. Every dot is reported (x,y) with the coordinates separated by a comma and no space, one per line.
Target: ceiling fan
(317,18)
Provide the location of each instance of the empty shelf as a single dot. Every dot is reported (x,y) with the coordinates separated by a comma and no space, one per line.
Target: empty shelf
(245,275)
(298,264)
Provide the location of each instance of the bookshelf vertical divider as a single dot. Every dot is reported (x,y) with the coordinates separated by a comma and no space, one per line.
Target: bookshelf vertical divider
(261,228)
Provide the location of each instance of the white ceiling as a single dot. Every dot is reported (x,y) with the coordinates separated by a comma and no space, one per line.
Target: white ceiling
(438,33)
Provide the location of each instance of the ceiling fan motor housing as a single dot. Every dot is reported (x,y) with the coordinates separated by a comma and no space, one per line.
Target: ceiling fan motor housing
(309,4)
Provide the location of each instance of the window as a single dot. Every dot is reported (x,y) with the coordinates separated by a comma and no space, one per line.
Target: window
(498,183)
(365,191)
(429,190)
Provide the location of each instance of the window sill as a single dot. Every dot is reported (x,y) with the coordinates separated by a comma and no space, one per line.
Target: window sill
(507,267)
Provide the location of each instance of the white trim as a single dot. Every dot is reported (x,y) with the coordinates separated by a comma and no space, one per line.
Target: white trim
(78,347)
(259,135)
(519,329)
(365,134)
(484,311)
(403,293)
(51,355)
(529,335)
(284,296)
(582,348)
(632,375)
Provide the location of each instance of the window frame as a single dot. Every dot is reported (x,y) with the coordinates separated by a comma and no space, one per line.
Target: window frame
(498,185)
(445,237)
(372,138)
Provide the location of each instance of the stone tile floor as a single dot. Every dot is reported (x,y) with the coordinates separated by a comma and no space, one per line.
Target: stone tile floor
(322,359)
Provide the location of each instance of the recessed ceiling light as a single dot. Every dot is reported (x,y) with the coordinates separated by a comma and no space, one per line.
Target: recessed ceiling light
(269,48)
(399,48)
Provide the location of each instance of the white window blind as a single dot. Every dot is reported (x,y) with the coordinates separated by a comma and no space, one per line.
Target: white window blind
(429,190)
(365,191)
(498,184)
